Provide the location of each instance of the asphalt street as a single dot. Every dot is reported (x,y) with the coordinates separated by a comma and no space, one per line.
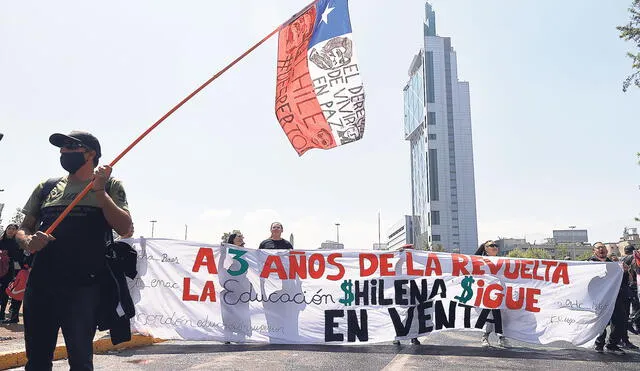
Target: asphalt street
(445,350)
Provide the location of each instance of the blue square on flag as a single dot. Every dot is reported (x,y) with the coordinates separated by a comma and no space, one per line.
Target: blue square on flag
(319,91)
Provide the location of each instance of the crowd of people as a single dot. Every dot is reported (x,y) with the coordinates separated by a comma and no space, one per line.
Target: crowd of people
(274,242)
(63,290)
(626,313)
(17,259)
(624,319)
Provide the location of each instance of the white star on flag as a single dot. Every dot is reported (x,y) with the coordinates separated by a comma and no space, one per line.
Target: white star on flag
(325,14)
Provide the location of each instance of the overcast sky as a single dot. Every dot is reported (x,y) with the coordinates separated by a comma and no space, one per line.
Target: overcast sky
(554,136)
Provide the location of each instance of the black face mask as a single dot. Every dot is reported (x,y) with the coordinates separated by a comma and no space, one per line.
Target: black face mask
(72,161)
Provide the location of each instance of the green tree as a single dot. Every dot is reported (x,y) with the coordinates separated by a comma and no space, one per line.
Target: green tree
(437,247)
(537,254)
(516,253)
(18,217)
(432,247)
(638,154)
(585,256)
(226,235)
(561,252)
(631,32)
(529,254)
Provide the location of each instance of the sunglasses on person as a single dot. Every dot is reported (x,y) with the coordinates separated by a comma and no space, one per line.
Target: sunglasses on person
(74,145)
(493,245)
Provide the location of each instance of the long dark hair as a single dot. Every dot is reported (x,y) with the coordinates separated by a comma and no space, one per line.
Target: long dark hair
(482,250)
(232,237)
(4,234)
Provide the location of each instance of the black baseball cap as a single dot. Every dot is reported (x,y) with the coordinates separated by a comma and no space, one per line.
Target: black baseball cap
(78,137)
(628,249)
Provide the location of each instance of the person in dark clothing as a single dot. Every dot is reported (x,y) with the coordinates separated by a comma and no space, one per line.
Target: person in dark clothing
(63,290)
(634,270)
(618,320)
(16,259)
(631,301)
(276,242)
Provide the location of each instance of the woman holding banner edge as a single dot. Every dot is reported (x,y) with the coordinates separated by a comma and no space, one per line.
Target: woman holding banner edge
(489,248)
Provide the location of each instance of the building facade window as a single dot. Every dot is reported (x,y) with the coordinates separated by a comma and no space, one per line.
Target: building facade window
(435,217)
(431,118)
(431,90)
(432,165)
(431,136)
(436,238)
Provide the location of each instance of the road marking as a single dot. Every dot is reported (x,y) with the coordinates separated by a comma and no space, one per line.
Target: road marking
(399,362)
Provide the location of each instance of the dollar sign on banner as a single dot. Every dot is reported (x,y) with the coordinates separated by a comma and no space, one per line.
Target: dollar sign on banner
(348,295)
(468,292)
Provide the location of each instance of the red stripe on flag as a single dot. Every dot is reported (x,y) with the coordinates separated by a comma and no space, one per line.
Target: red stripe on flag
(297,107)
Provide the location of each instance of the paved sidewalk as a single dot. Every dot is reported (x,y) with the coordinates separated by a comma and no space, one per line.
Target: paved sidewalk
(12,352)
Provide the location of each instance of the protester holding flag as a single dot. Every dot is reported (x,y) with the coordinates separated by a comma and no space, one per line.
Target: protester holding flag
(63,289)
(618,320)
(489,248)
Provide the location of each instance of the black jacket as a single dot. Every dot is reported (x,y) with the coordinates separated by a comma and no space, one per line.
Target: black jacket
(633,268)
(115,296)
(15,255)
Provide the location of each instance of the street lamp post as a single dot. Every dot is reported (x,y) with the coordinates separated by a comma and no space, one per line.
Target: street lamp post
(338,233)
(153,226)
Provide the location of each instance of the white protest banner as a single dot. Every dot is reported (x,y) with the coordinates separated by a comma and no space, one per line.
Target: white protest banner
(194,291)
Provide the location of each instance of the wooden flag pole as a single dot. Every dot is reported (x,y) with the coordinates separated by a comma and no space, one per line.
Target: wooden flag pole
(164,117)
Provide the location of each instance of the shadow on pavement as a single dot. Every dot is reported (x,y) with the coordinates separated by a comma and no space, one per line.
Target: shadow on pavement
(13,327)
(427,350)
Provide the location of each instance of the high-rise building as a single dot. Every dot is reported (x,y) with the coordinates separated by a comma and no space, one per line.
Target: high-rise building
(437,123)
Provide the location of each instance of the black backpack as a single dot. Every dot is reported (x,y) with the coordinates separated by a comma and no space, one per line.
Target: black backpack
(51,183)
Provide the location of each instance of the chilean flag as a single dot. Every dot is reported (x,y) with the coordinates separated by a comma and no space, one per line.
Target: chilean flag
(319,92)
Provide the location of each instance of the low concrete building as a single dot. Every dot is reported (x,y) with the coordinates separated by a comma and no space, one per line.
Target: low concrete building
(331,245)
(380,246)
(558,251)
(571,236)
